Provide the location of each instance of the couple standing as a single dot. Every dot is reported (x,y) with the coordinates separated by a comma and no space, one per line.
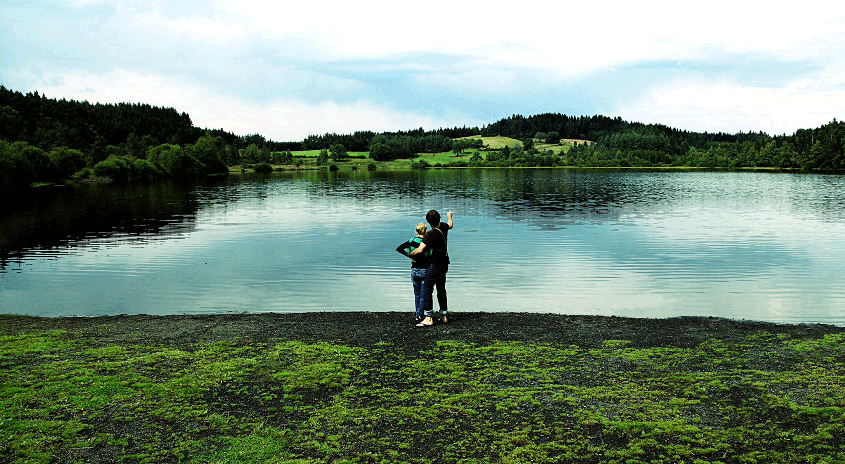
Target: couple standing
(429,267)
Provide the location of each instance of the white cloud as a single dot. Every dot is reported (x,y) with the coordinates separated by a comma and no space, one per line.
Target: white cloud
(571,37)
(246,62)
(697,104)
(279,119)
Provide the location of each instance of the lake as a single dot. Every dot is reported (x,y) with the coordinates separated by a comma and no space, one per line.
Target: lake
(740,245)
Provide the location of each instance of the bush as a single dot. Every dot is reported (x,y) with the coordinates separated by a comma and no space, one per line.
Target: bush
(421,164)
(125,168)
(144,170)
(323,157)
(67,161)
(333,167)
(15,170)
(286,157)
(380,152)
(263,168)
(371,167)
(208,152)
(31,162)
(84,173)
(176,162)
(116,168)
(45,170)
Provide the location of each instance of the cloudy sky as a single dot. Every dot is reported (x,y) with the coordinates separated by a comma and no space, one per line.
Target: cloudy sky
(290,69)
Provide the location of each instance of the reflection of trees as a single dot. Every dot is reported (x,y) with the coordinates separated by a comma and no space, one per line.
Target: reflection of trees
(556,197)
(54,217)
(550,197)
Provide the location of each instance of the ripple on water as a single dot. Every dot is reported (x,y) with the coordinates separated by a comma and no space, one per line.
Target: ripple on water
(644,244)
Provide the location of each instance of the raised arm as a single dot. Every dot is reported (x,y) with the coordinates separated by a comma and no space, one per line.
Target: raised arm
(449,215)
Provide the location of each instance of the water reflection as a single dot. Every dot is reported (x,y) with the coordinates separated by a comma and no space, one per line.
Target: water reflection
(62,217)
(739,245)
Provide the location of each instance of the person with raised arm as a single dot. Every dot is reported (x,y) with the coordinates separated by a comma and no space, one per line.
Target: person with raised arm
(436,241)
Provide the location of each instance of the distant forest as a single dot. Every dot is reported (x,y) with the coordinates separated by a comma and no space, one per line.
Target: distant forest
(44,139)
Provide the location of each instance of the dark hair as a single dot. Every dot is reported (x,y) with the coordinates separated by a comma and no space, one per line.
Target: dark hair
(433,218)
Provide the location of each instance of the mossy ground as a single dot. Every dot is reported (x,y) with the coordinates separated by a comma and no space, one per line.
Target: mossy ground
(368,387)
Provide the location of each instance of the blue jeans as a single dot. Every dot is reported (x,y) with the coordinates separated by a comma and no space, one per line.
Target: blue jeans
(418,279)
(435,277)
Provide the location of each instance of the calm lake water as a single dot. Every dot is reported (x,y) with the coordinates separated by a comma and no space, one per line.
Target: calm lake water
(643,244)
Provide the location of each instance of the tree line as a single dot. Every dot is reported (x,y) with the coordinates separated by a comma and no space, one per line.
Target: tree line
(621,143)
(126,130)
(44,139)
(21,164)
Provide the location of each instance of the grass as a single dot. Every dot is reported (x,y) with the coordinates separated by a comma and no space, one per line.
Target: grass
(315,153)
(765,398)
(361,160)
(497,143)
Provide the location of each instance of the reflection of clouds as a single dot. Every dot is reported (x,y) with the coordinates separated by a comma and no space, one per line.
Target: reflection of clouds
(311,243)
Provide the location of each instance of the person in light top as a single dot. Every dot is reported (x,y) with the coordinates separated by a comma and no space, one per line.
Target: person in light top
(419,264)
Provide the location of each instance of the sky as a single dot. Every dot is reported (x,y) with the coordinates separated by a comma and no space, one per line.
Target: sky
(287,70)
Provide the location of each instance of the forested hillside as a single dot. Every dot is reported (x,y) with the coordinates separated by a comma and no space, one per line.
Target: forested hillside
(43,139)
(621,143)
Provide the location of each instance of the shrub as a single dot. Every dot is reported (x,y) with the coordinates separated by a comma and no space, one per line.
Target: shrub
(84,173)
(67,161)
(333,167)
(44,168)
(371,167)
(421,164)
(144,170)
(263,168)
(323,157)
(207,151)
(15,170)
(176,162)
(115,168)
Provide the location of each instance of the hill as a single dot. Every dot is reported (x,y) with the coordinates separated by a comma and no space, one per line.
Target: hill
(127,130)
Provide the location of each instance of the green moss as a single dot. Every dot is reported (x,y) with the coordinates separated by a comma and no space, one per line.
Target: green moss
(504,401)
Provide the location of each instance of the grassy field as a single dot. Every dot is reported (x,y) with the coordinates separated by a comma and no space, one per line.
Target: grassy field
(315,153)
(497,143)
(493,143)
(96,391)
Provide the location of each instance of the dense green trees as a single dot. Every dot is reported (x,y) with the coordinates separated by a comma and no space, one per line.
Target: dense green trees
(337,152)
(387,146)
(620,143)
(104,131)
(21,163)
(45,140)
(323,157)
(650,146)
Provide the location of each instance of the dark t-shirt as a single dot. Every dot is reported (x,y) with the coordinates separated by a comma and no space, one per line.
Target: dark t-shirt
(420,262)
(437,242)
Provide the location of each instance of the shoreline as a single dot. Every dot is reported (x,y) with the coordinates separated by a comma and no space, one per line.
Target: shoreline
(366,327)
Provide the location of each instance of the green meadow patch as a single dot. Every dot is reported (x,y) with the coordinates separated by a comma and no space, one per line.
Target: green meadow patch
(66,397)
